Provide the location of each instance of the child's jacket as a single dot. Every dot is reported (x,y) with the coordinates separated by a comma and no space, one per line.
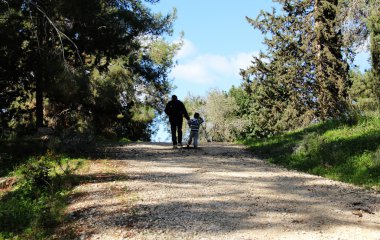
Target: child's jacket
(195,123)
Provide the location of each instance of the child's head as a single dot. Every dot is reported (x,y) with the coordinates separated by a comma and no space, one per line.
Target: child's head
(196,115)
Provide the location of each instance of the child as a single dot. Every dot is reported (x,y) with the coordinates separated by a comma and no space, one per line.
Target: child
(194,125)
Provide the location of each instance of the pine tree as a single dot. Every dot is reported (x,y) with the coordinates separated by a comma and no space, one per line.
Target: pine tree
(362,92)
(302,77)
(374,28)
(352,22)
(331,70)
(281,80)
(360,23)
(64,43)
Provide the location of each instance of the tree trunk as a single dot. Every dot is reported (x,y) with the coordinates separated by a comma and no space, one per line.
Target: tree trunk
(39,98)
(319,75)
(39,72)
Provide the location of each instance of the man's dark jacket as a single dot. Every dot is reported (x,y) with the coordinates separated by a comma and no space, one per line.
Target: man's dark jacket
(176,110)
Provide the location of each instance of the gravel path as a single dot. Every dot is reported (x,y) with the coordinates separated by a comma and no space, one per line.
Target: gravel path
(150,191)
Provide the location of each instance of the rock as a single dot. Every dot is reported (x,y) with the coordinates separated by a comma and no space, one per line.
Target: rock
(358,213)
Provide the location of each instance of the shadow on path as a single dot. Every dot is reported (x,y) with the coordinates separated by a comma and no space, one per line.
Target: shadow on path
(216,190)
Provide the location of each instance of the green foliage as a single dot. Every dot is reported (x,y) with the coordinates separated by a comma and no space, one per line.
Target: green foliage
(37,203)
(14,68)
(373,23)
(331,73)
(15,151)
(353,22)
(302,77)
(363,91)
(345,150)
(241,116)
(197,104)
(79,65)
(222,109)
(220,112)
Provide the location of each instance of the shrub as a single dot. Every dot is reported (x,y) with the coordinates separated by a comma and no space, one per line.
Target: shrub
(307,154)
(38,200)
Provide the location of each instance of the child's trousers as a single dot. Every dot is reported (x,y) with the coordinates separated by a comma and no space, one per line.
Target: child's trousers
(193,135)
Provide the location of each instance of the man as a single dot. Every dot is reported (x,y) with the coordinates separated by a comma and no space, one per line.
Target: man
(176,111)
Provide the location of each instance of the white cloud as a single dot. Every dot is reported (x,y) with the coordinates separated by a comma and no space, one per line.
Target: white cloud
(188,49)
(243,60)
(209,69)
(192,72)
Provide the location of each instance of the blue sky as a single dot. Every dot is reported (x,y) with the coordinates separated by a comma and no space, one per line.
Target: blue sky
(218,41)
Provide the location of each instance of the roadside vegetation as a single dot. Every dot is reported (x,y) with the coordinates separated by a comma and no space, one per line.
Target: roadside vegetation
(347,150)
(33,204)
(73,75)
(80,73)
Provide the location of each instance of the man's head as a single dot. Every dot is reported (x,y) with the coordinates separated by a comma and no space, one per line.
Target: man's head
(196,115)
(174,97)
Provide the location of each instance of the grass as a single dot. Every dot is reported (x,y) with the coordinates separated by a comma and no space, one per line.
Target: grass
(345,150)
(15,152)
(35,206)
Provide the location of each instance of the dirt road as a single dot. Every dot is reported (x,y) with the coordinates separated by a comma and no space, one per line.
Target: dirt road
(150,191)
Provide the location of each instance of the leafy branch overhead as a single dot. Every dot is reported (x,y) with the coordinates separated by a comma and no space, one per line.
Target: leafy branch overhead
(67,51)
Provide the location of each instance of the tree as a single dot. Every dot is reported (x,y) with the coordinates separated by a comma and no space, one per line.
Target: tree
(240,118)
(197,104)
(303,75)
(373,23)
(352,22)
(15,64)
(362,91)
(360,23)
(68,45)
(281,81)
(221,114)
(331,70)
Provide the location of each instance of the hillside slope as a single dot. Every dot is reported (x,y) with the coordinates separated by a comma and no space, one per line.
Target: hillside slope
(345,150)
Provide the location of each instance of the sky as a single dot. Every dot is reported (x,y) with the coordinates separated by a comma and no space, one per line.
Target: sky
(218,42)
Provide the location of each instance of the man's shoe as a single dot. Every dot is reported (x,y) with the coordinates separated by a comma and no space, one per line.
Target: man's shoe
(174,146)
(180,145)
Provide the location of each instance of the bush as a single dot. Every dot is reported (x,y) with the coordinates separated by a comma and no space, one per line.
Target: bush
(38,200)
(307,154)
